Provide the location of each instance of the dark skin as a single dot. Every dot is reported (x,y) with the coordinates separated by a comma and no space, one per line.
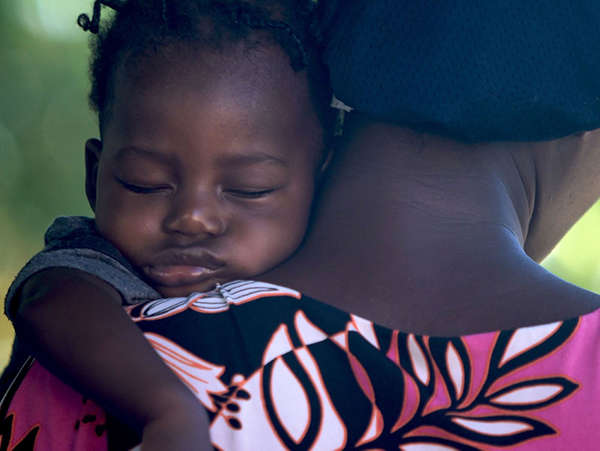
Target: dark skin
(205,174)
(444,238)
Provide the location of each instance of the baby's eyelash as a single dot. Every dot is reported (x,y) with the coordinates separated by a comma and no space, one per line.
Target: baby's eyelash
(249,194)
(140,189)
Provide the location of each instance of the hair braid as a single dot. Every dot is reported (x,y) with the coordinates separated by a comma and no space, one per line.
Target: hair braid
(93,25)
(245,14)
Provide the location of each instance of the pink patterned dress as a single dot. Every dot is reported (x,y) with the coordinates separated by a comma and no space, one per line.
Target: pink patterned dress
(278,370)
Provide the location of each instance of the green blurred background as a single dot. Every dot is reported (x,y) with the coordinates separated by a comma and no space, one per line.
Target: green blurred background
(45,120)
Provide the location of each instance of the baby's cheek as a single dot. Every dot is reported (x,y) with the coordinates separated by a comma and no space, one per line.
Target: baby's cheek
(129,230)
(287,235)
(141,216)
(263,248)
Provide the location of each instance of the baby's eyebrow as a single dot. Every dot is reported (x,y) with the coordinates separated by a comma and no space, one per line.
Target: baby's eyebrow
(144,153)
(248,159)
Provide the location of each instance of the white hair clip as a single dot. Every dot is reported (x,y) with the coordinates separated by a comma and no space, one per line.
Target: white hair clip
(339,105)
(339,120)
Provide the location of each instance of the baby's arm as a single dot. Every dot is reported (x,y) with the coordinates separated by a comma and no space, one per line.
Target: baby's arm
(74,324)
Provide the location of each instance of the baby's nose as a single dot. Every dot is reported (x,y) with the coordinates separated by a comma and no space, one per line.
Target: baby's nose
(199,215)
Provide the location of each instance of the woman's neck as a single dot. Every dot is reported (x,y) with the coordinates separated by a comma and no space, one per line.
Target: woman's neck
(426,235)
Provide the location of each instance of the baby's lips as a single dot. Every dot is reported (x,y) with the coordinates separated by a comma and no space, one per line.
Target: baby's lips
(175,275)
(188,257)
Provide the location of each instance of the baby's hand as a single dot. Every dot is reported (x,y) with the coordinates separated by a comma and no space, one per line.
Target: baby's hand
(184,429)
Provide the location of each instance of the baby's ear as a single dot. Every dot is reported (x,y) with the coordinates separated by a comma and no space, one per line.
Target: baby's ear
(93,149)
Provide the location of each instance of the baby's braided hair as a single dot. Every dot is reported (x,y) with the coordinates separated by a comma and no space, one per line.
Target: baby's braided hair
(140,27)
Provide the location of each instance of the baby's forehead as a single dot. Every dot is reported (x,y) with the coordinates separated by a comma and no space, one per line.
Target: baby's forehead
(234,99)
(258,75)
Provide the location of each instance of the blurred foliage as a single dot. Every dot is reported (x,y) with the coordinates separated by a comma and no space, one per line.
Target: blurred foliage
(45,120)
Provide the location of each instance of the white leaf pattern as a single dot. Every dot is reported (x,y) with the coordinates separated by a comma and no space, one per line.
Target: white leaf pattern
(290,401)
(527,338)
(494,428)
(418,359)
(529,395)
(455,368)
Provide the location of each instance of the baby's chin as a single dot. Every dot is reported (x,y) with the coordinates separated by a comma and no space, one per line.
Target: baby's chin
(186,290)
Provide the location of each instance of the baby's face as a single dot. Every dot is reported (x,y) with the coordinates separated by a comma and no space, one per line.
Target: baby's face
(207,167)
